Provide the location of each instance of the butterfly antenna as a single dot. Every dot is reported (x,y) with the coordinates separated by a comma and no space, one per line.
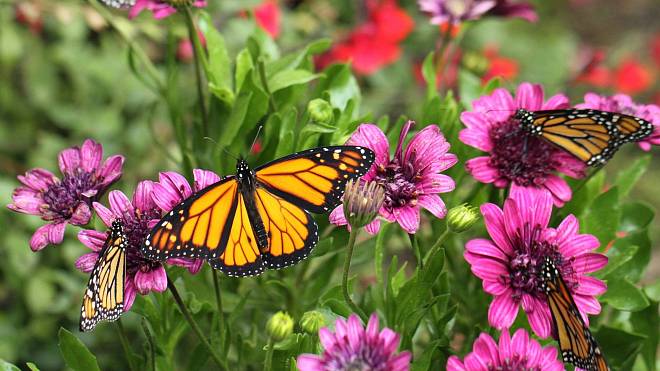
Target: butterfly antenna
(223,148)
(254,141)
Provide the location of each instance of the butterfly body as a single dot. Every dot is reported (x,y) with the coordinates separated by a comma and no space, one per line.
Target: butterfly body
(576,343)
(104,297)
(592,136)
(259,219)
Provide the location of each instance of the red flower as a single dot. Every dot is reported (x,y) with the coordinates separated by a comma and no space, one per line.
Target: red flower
(632,77)
(499,66)
(30,15)
(590,69)
(267,16)
(374,44)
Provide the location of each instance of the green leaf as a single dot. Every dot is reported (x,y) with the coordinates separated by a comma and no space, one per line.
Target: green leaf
(429,71)
(32,366)
(287,78)
(219,66)
(75,353)
(340,85)
(6,366)
(244,65)
(653,291)
(602,217)
(636,216)
(617,257)
(297,59)
(620,347)
(236,118)
(623,295)
(469,86)
(628,177)
(647,322)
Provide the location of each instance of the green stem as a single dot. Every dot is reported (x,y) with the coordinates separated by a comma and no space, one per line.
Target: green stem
(268,362)
(418,252)
(264,81)
(197,55)
(184,310)
(152,345)
(437,245)
(218,301)
(124,344)
(347,267)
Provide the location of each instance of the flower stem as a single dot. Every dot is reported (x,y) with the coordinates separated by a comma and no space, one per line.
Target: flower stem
(268,362)
(184,310)
(152,345)
(197,55)
(347,267)
(218,301)
(418,253)
(124,344)
(437,245)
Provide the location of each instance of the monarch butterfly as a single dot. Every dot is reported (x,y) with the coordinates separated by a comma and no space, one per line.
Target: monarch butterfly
(259,218)
(104,297)
(577,344)
(590,135)
(119,3)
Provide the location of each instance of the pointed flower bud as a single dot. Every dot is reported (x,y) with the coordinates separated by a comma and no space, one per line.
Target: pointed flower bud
(320,112)
(462,217)
(279,326)
(362,202)
(312,322)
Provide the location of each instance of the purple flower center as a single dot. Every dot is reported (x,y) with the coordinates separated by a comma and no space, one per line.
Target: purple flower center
(519,157)
(514,363)
(63,197)
(529,251)
(136,229)
(399,183)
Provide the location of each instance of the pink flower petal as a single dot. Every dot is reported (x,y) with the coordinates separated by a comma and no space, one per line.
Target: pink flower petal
(486,347)
(486,268)
(38,179)
(142,197)
(398,153)
(370,136)
(192,265)
(434,204)
(590,286)
(436,183)
(86,262)
(529,96)
(401,362)
(120,204)
(92,239)
(587,263)
(559,188)
(559,101)
(494,221)
(506,351)
(579,245)
(373,227)
(408,218)
(111,170)
(455,364)
(502,311)
(481,170)
(204,178)
(519,342)
(309,362)
(152,280)
(337,216)
(26,200)
(46,235)
(69,160)
(104,213)
(477,131)
(129,295)
(486,248)
(587,304)
(327,338)
(539,318)
(81,215)
(494,288)
(91,154)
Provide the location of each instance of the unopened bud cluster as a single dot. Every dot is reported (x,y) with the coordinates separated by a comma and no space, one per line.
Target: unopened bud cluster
(362,202)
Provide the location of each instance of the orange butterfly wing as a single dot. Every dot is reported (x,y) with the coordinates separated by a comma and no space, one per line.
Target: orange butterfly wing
(576,343)
(198,227)
(314,179)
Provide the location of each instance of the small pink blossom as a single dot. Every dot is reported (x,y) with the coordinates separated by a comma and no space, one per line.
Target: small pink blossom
(160,8)
(517,353)
(624,104)
(67,200)
(353,347)
(515,158)
(411,178)
(509,263)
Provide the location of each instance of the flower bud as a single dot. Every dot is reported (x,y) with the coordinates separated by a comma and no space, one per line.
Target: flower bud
(462,217)
(320,111)
(312,322)
(279,326)
(362,202)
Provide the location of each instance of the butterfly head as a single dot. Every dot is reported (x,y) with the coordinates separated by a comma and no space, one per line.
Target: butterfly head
(243,172)
(117,227)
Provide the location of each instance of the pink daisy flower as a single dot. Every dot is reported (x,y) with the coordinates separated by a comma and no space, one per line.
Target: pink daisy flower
(411,178)
(457,11)
(517,353)
(514,157)
(352,347)
(624,104)
(67,200)
(509,263)
(160,8)
(137,217)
